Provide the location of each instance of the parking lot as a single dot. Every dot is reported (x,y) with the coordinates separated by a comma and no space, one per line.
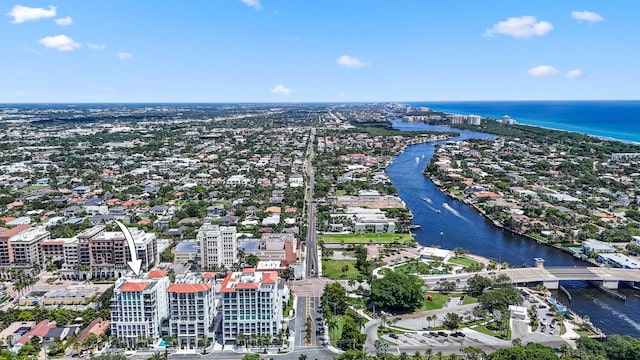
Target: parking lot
(443,339)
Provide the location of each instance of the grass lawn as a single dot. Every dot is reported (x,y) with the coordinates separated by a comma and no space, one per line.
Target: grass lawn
(365,238)
(335,333)
(584,333)
(461,260)
(411,268)
(437,303)
(341,192)
(483,329)
(333,269)
(468,299)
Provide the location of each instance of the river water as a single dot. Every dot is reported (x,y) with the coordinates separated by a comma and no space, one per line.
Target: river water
(457,224)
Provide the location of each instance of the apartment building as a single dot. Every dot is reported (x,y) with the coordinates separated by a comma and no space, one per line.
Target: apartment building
(107,252)
(192,309)
(138,307)
(217,246)
(21,246)
(251,305)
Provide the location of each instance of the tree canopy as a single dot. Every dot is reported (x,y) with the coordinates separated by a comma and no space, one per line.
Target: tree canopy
(397,291)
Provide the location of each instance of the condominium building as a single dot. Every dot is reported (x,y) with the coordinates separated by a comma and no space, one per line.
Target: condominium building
(192,310)
(53,250)
(106,253)
(21,246)
(217,246)
(138,307)
(251,305)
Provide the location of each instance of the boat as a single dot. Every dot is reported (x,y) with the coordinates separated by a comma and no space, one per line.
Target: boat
(414,227)
(438,211)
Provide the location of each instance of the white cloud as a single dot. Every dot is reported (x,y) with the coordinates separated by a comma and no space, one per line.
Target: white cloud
(520,27)
(573,74)
(64,21)
(22,14)
(543,70)
(96,46)
(124,55)
(281,90)
(586,16)
(253,3)
(59,42)
(350,62)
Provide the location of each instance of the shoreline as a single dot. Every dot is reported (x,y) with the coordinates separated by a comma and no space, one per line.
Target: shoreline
(527,121)
(503,228)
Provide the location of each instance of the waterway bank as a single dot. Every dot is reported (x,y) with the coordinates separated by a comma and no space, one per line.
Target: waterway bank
(461,225)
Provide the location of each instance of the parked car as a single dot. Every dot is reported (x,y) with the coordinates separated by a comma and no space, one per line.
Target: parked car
(460,333)
(428,335)
(442,333)
(408,335)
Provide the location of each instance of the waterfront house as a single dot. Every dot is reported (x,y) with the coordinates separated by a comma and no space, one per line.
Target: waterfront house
(592,246)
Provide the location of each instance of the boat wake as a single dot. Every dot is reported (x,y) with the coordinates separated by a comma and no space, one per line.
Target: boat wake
(454,212)
(617,313)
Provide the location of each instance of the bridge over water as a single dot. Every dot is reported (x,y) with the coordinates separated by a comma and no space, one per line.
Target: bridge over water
(550,277)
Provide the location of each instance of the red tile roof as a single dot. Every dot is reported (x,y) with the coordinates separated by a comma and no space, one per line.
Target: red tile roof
(270,277)
(15,230)
(188,288)
(134,286)
(209,275)
(157,274)
(41,329)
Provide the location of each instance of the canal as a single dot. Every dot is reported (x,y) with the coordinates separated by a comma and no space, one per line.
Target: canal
(450,223)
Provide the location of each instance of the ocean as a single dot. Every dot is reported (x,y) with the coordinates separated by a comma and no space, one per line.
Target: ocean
(618,120)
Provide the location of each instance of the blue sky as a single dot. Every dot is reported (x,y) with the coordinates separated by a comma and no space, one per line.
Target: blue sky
(322,50)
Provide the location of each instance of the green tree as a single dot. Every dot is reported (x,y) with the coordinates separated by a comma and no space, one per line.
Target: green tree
(477,284)
(334,299)
(452,321)
(397,291)
(251,260)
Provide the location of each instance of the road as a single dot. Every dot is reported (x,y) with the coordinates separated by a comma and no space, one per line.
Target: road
(313,352)
(312,248)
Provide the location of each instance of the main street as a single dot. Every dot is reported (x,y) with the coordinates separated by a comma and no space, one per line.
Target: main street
(312,269)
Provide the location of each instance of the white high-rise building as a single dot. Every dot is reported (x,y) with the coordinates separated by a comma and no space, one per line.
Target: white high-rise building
(217,246)
(192,310)
(138,307)
(251,305)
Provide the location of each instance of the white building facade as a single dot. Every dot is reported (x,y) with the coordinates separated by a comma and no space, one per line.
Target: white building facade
(251,305)
(217,246)
(192,310)
(138,307)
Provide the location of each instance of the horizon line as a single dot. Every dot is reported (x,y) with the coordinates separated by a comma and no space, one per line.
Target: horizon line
(303,102)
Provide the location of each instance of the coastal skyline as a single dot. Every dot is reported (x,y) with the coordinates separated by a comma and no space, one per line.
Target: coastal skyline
(268,51)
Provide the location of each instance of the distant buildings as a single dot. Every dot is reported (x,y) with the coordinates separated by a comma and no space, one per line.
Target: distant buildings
(217,246)
(96,252)
(281,247)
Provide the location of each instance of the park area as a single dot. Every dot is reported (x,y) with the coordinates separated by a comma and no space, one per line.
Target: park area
(366,238)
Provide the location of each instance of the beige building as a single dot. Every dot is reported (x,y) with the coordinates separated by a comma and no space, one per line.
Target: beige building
(217,246)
